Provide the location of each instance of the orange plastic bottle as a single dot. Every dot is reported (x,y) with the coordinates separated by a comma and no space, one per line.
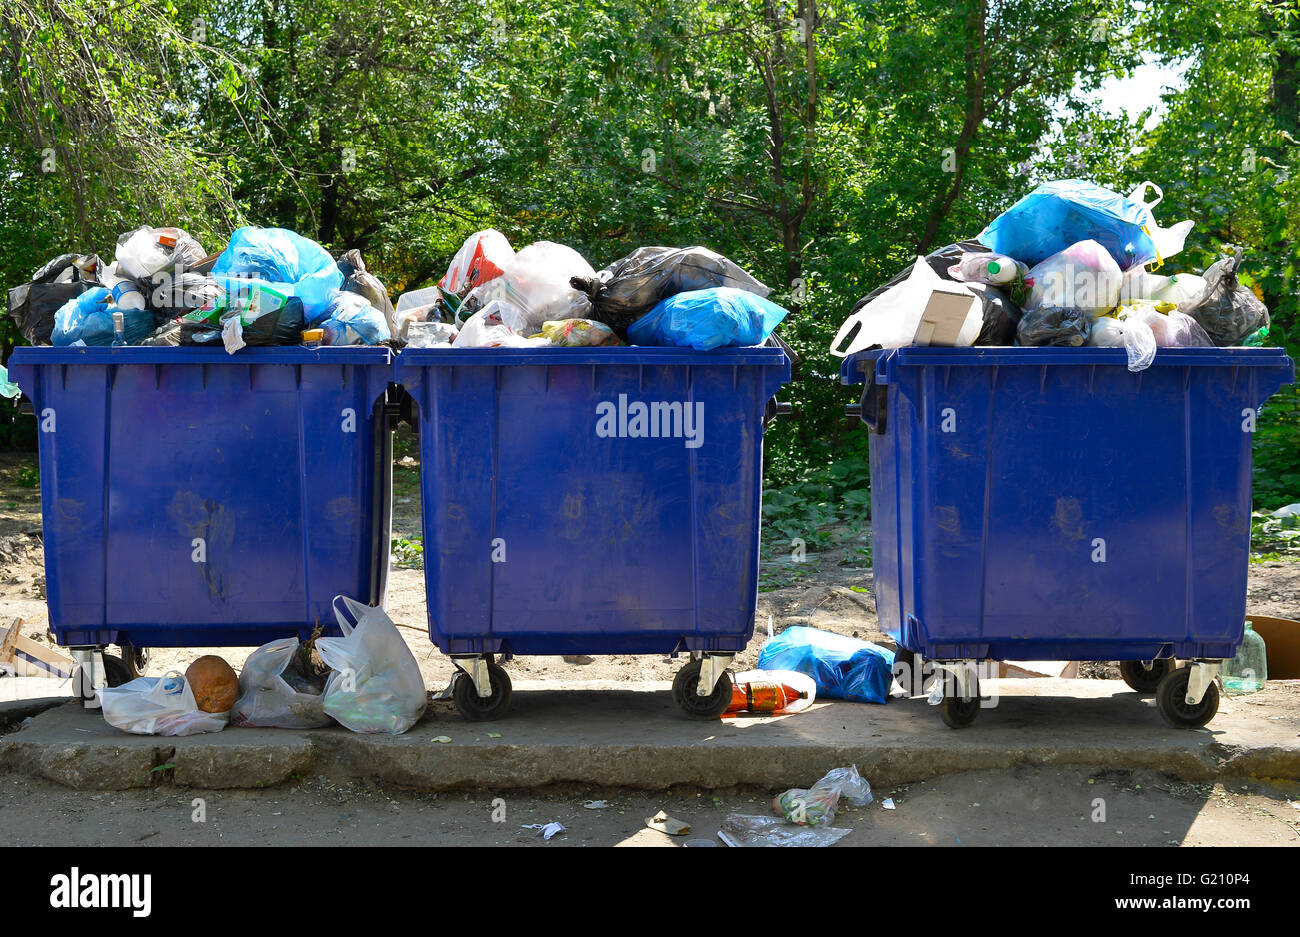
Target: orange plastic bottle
(763,696)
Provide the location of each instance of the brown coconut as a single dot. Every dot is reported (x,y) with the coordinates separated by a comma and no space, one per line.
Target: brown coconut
(214,684)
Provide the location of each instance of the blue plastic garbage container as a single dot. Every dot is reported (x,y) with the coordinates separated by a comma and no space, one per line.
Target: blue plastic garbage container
(591,501)
(1049,504)
(195,498)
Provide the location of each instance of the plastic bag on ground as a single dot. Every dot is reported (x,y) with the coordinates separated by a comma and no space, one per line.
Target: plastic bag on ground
(1083,276)
(537,283)
(630,287)
(1228,311)
(267,699)
(1130,333)
(33,304)
(719,317)
(817,805)
(741,829)
(497,325)
(351,320)
(484,256)
(88,318)
(843,668)
(287,262)
(158,706)
(1058,214)
(376,686)
(577,333)
(1054,326)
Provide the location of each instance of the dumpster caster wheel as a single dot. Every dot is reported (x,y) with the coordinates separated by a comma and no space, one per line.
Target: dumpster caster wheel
(696,706)
(1142,680)
(116,670)
(958,713)
(1171,699)
(477,708)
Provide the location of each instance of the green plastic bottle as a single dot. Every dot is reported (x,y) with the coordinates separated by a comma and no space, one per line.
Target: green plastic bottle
(1247,672)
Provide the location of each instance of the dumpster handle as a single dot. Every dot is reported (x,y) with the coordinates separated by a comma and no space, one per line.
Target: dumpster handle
(873,409)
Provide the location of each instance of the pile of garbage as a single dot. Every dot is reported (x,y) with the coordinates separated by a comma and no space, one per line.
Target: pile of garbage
(367,680)
(271,286)
(1066,266)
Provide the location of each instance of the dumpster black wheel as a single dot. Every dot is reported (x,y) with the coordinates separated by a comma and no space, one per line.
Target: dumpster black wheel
(1171,699)
(956,712)
(477,708)
(694,705)
(1142,680)
(116,671)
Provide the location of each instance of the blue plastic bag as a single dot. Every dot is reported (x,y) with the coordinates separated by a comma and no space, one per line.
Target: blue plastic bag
(843,668)
(351,320)
(708,319)
(1058,214)
(287,262)
(89,318)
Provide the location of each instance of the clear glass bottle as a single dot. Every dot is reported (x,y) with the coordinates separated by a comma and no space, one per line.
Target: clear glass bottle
(119,329)
(1247,672)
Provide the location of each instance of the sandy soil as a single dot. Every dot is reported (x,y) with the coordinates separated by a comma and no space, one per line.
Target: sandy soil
(1023,806)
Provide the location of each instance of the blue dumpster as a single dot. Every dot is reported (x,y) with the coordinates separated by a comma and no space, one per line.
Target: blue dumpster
(195,498)
(1049,504)
(591,501)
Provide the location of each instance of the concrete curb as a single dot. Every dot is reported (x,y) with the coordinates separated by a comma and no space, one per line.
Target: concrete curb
(618,737)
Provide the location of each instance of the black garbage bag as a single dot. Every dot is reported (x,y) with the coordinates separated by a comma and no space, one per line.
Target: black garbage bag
(1227,310)
(33,305)
(281,326)
(629,288)
(1001,314)
(357,280)
(1058,326)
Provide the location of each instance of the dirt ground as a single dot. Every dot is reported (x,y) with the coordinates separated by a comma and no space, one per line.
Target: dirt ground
(1022,806)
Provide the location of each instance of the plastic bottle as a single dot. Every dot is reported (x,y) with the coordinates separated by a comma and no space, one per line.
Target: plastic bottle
(119,329)
(995,269)
(126,292)
(763,696)
(1247,672)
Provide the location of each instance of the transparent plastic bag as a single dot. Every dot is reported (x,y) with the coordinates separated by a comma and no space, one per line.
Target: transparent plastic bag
(741,829)
(537,283)
(499,324)
(1141,284)
(284,261)
(1171,328)
(484,256)
(1130,333)
(267,699)
(580,333)
(1083,276)
(88,318)
(719,317)
(376,686)
(817,805)
(987,267)
(158,706)
(351,320)
(629,288)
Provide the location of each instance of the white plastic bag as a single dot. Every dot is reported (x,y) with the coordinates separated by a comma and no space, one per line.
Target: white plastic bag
(1130,333)
(1172,329)
(158,706)
(1168,241)
(817,805)
(484,256)
(499,324)
(537,283)
(890,320)
(265,697)
(376,686)
(1084,276)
